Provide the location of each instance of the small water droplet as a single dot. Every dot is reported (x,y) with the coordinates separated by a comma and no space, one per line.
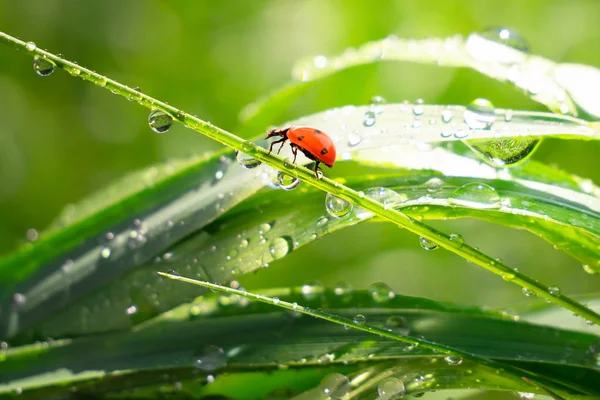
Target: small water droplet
(131,309)
(354,139)
(32,234)
(398,325)
(320,61)
(453,360)
(457,238)
(211,358)
(137,235)
(554,291)
(42,66)
(526,396)
(287,182)
(19,300)
(391,388)
(475,195)
(276,300)
(342,289)
(335,386)
(160,121)
(280,247)
(359,319)
(312,290)
(427,244)
(369,119)
(381,292)
(507,37)
(527,292)
(336,206)
(105,252)
(246,161)
(322,221)
(434,185)
(30,46)
(447,116)
(418,109)
(376,104)
(480,114)
(589,269)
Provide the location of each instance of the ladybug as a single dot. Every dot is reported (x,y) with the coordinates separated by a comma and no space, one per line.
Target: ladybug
(315,144)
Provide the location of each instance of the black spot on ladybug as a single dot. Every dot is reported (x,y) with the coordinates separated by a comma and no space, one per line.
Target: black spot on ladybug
(318,132)
(300,137)
(324,151)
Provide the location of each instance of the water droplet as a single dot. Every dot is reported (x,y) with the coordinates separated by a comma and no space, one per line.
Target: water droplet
(42,66)
(276,300)
(527,292)
(131,309)
(359,319)
(246,161)
(105,252)
(354,139)
(320,61)
(589,269)
(453,360)
(506,152)
(480,114)
(391,388)
(554,291)
(336,206)
(32,234)
(312,290)
(385,196)
(398,325)
(342,289)
(137,235)
(369,119)
(376,104)
(526,396)
(30,46)
(19,300)
(475,195)
(211,358)
(381,292)
(418,109)
(280,247)
(160,121)
(447,116)
(335,386)
(427,244)
(456,238)
(287,182)
(434,185)
(322,221)
(506,37)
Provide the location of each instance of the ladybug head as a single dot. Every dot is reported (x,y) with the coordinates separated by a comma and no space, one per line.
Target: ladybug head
(281,132)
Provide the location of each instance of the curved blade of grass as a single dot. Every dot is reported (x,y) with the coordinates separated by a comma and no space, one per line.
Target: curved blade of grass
(255,337)
(325,184)
(563,88)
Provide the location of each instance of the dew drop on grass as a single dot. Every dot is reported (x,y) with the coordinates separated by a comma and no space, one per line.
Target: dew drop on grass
(480,114)
(42,66)
(19,300)
(369,119)
(527,292)
(276,300)
(554,291)
(335,386)
(398,325)
(30,46)
(359,319)
(336,206)
(132,309)
(391,388)
(418,109)
(376,104)
(287,182)
(211,358)
(589,269)
(32,234)
(526,396)
(246,161)
(160,121)
(381,292)
(137,235)
(456,238)
(105,252)
(280,247)
(447,116)
(312,290)
(427,244)
(475,195)
(453,360)
(354,139)
(506,37)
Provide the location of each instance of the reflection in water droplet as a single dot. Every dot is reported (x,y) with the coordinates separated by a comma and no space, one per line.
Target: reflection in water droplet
(427,244)
(335,386)
(507,37)
(211,358)
(287,182)
(336,206)
(280,247)
(391,388)
(42,66)
(369,119)
(160,121)
(480,114)
(475,195)
(381,292)
(506,152)
(359,319)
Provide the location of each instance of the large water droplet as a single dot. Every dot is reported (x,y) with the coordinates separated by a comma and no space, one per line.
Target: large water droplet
(527,292)
(335,386)
(280,247)
(391,388)
(160,121)
(381,292)
(287,182)
(398,325)
(554,291)
(504,153)
(246,161)
(427,244)
(498,45)
(359,319)
(506,37)
(30,46)
(42,66)
(480,114)
(475,195)
(336,206)
(369,119)
(211,358)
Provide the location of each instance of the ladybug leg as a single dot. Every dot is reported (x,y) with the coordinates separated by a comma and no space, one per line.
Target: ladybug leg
(281,147)
(317,169)
(295,152)
(275,142)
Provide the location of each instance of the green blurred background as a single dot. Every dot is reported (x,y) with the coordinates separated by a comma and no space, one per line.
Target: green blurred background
(62,138)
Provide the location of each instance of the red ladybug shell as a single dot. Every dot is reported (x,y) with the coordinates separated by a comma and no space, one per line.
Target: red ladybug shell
(315,142)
